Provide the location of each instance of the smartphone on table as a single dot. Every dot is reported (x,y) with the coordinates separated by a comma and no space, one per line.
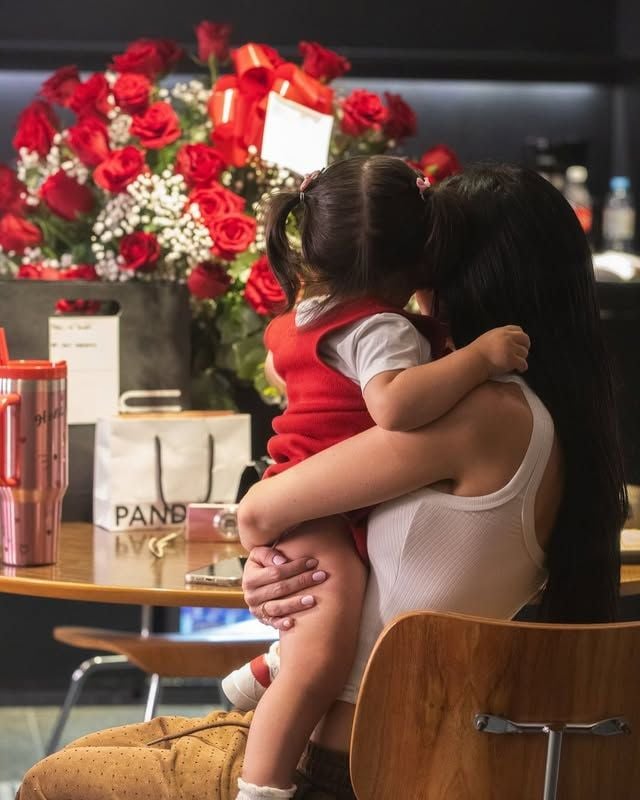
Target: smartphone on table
(227,572)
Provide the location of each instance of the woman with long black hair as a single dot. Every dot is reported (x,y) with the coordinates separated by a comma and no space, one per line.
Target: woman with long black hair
(519,487)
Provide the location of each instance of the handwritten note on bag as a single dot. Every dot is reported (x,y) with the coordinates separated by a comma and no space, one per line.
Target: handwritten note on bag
(295,136)
(91,348)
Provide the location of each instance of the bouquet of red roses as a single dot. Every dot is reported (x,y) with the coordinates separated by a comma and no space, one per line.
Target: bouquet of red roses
(151,178)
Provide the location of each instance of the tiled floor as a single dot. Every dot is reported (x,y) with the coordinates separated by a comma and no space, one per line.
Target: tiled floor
(24,731)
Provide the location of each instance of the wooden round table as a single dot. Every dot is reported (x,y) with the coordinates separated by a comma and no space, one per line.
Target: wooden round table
(108,567)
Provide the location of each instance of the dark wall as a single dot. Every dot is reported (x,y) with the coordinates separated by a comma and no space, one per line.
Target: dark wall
(626,98)
(627,28)
(570,26)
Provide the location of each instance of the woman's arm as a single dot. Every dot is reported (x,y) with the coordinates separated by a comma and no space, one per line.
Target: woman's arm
(366,469)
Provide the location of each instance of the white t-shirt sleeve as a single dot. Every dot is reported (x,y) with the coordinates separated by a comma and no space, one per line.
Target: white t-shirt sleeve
(376,344)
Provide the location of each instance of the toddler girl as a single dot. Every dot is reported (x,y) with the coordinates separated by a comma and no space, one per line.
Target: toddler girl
(349,357)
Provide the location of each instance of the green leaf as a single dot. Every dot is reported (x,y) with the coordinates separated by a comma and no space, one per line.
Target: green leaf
(165,157)
(248,354)
(211,390)
(241,263)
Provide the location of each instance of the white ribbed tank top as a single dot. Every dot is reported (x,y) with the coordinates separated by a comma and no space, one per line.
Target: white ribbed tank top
(472,555)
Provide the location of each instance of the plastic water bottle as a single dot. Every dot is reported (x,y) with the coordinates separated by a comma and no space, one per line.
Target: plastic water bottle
(577,194)
(619,221)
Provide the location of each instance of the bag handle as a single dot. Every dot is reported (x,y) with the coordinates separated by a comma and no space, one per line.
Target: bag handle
(159,487)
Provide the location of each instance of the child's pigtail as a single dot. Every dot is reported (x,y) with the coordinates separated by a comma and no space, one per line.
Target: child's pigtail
(284,260)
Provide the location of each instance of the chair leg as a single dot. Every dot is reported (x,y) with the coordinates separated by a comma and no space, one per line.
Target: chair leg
(152,697)
(554,747)
(78,679)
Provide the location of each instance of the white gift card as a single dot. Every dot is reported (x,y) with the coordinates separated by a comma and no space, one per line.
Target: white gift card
(91,348)
(295,136)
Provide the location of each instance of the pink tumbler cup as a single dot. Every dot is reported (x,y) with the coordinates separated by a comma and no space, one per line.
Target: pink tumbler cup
(33,459)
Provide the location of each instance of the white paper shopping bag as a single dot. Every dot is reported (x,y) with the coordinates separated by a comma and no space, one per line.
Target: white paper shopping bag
(148,467)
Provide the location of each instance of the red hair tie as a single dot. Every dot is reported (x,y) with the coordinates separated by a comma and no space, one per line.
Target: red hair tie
(307,180)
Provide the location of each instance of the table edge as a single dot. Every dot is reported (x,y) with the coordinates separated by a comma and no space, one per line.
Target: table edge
(122,595)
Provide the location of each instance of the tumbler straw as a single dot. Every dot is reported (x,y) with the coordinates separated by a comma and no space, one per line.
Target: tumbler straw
(4,350)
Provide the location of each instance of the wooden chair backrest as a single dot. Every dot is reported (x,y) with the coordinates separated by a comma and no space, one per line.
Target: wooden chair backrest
(431,673)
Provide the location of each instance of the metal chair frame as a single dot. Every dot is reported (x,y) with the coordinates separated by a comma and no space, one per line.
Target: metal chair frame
(490,723)
(103,664)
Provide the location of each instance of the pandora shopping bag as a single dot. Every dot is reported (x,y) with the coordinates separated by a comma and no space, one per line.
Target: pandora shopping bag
(148,467)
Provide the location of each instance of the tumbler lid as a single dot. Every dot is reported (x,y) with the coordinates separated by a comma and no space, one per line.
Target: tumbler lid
(34,370)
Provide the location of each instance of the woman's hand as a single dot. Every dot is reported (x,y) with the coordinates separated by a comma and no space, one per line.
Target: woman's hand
(275,589)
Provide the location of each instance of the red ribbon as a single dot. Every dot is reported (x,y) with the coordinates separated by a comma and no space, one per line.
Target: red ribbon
(228,111)
(254,70)
(238,103)
(294,84)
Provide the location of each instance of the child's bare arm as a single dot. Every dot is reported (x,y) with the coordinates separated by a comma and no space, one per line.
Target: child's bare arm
(406,399)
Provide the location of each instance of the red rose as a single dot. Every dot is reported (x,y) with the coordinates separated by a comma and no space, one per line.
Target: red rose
(11,191)
(91,97)
(216,201)
(80,272)
(17,233)
(232,234)
(208,281)
(150,57)
(321,63)
(213,41)
(30,272)
(132,92)
(77,306)
(362,111)
(140,251)
(89,140)
(440,162)
(36,272)
(157,127)
(402,120)
(61,85)
(65,196)
(37,125)
(199,163)
(262,291)
(117,171)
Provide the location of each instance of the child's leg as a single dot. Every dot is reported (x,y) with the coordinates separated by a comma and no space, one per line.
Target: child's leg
(315,656)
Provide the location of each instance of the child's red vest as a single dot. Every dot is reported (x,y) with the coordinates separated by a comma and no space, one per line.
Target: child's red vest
(323,406)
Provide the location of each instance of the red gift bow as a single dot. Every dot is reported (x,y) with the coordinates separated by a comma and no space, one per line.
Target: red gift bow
(238,103)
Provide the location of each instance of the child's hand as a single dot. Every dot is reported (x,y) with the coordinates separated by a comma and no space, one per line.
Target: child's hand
(503,350)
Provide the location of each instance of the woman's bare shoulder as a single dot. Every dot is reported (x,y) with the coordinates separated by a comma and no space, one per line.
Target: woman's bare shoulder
(490,405)
(495,421)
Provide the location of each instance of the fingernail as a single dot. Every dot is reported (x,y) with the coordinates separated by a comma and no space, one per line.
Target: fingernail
(279,560)
(286,623)
(312,562)
(307,600)
(318,576)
